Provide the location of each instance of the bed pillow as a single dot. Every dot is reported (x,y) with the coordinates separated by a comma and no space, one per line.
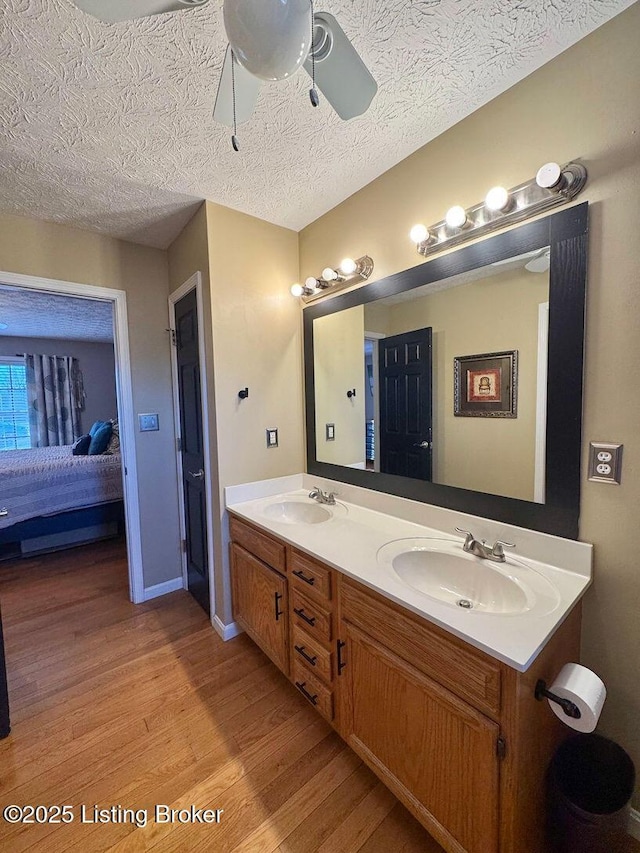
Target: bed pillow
(96,426)
(114,441)
(80,447)
(100,439)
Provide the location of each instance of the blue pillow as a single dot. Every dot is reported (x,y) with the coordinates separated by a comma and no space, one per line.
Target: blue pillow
(80,447)
(100,439)
(96,426)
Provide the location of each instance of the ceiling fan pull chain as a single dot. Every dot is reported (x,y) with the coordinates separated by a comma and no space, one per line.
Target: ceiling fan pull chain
(234,137)
(313,92)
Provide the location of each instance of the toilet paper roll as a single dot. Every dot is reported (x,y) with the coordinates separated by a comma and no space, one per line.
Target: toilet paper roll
(584,689)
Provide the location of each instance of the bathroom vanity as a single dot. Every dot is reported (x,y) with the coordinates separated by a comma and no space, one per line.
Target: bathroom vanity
(437,699)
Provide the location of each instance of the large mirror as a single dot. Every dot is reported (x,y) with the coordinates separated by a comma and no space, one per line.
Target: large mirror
(459,382)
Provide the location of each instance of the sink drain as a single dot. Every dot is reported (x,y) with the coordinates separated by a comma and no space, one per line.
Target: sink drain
(464,602)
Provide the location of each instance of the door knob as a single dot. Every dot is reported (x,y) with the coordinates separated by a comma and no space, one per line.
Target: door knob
(425,445)
(197,475)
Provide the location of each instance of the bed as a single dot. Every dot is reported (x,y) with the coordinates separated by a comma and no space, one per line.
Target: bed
(47,493)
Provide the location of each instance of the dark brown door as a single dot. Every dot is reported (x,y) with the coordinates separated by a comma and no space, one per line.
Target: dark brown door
(405,404)
(192,448)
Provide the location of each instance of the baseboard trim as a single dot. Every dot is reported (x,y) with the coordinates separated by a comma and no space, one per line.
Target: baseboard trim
(634,824)
(227,632)
(162,588)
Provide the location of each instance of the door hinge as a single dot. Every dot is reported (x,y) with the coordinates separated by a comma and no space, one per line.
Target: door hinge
(174,341)
(179,444)
(501,748)
(184,546)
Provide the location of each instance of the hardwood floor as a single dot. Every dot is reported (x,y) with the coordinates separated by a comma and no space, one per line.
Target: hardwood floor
(116,705)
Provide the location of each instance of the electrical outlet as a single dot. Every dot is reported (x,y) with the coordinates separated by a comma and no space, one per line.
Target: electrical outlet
(605,462)
(272,438)
(330,432)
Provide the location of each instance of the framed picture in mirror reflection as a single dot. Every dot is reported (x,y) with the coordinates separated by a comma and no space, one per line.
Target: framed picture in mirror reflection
(486,385)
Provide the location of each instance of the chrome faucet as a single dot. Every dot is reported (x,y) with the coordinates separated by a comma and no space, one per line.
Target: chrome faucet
(494,552)
(317,494)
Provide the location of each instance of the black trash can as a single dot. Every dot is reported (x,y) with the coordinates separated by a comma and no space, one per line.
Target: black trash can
(591,780)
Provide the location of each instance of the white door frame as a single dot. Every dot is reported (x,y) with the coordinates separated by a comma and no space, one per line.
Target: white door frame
(124,396)
(375,337)
(193,283)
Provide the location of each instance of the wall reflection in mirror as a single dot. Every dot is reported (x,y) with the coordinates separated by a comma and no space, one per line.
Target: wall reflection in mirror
(399,354)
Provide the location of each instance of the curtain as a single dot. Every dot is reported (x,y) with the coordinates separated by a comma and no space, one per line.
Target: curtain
(55,396)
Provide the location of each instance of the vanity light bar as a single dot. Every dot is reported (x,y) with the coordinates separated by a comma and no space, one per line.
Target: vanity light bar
(553,185)
(333,280)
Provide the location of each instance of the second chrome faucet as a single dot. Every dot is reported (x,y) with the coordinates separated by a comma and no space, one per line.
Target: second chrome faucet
(481,549)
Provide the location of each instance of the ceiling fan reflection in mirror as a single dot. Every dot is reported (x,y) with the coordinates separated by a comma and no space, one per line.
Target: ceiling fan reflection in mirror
(268,40)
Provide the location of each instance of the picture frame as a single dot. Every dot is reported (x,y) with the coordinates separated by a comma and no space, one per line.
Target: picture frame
(486,385)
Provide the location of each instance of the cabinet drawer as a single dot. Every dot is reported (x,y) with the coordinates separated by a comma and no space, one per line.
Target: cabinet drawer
(313,690)
(311,577)
(267,549)
(469,674)
(311,617)
(312,655)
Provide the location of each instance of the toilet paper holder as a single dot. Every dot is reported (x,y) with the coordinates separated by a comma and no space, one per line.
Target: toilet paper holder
(569,707)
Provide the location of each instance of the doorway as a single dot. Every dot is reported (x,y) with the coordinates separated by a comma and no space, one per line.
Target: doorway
(124,396)
(188,365)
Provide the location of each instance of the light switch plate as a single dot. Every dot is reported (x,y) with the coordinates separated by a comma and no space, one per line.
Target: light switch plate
(148,422)
(605,462)
(272,437)
(330,432)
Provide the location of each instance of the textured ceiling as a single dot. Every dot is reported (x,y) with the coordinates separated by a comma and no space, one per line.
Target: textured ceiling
(32,314)
(109,126)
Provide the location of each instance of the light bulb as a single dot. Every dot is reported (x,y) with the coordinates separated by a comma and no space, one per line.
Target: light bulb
(329,274)
(456,216)
(348,266)
(418,233)
(497,199)
(311,282)
(549,176)
(297,289)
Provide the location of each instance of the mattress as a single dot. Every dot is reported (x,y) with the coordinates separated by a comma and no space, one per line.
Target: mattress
(47,480)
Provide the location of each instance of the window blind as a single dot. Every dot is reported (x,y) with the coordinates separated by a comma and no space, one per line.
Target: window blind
(14,416)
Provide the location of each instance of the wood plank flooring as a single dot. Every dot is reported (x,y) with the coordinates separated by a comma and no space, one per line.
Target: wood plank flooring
(132,706)
(115,705)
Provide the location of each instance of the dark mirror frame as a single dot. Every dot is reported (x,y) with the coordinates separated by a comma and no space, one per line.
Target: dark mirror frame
(566,233)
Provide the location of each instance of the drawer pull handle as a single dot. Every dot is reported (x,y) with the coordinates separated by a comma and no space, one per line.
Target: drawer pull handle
(341,664)
(310,620)
(278,596)
(304,578)
(309,658)
(301,687)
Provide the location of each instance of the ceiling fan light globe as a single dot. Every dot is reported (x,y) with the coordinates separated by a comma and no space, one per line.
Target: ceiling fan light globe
(269,38)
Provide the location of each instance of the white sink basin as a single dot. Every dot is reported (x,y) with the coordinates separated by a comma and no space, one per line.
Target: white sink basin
(302,510)
(440,569)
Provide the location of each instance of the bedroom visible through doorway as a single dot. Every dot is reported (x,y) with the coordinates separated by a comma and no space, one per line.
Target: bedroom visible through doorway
(67,454)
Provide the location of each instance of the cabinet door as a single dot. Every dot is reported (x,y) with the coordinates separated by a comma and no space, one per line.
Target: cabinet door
(435,752)
(260,604)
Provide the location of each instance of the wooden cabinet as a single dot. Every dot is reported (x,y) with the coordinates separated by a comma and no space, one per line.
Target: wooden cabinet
(454,733)
(260,604)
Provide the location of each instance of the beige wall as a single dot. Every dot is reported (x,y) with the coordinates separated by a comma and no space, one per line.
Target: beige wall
(338,348)
(583,104)
(55,251)
(496,314)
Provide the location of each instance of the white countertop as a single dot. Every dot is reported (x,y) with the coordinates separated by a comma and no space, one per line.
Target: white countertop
(351,539)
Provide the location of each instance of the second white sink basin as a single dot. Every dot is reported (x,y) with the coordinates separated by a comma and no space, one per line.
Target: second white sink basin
(302,510)
(440,569)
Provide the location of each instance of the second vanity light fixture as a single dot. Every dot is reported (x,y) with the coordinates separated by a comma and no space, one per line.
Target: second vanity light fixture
(332,280)
(552,185)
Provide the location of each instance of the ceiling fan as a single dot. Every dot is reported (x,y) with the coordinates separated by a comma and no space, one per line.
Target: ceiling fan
(268,40)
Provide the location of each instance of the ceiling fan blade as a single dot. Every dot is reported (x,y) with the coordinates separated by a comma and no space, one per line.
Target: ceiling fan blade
(247,88)
(340,73)
(113,11)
